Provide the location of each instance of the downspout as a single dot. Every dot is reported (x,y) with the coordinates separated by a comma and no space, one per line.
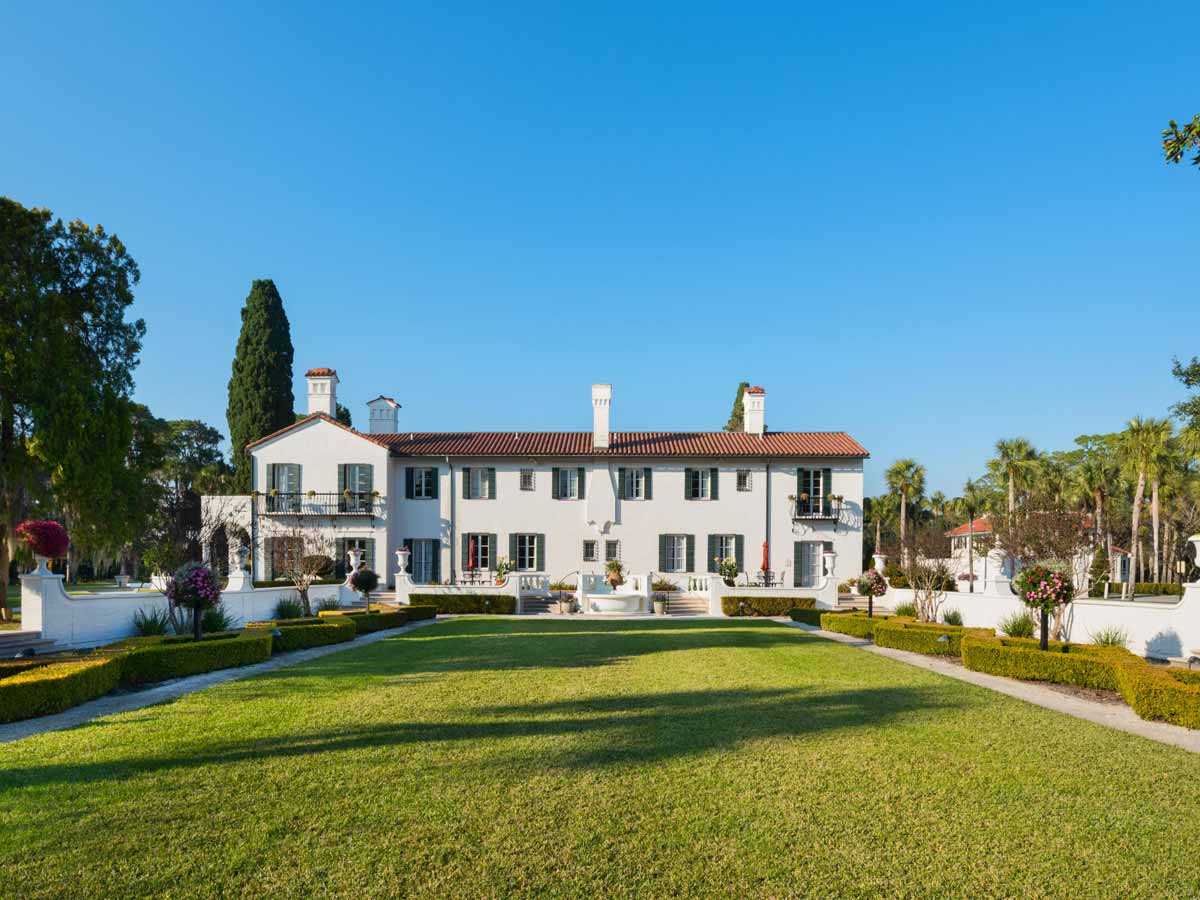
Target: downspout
(453,494)
(767,508)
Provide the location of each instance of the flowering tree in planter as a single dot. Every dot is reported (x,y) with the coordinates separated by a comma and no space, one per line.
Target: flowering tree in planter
(364,581)
(47,540)
(871,584)
(1047,591)
(194,586)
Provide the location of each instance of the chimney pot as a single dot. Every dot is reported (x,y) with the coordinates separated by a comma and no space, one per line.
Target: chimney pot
(754,410)
(322,391)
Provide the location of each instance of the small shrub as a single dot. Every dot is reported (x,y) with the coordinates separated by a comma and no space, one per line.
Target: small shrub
(664,586)
(288,608)
(215,618)
(1110,636)
(806,616)
(907,610)
(328,603)
(496,604)
(43,690)
(952,617)
(416,613)
(562,586)
(764,606)
(1018,625)
(317,564)
(156,621)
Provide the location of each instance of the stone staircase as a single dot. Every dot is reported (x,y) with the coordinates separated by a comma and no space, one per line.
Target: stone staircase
(687,606)
(14,642)
(534,606)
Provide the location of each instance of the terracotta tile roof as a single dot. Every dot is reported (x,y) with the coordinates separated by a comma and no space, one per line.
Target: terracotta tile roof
(390,400)
(622,443)
(981,527)
(319,371)
(286,428)
(756,390)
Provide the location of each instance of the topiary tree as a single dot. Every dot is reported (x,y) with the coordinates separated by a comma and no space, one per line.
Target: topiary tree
(1047,591)
(194,586)
(364,581)
(260,389)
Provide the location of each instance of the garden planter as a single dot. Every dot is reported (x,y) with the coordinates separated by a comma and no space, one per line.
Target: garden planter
(42,568)
(564,607)
(728,582)
(660,607)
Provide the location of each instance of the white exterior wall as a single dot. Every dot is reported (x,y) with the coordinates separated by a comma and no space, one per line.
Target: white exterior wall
(319,447)
(636,524)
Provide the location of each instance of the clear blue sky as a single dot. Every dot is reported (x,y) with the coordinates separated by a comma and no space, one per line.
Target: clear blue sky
(931,226)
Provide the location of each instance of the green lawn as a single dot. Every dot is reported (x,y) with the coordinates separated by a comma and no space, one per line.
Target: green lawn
(520,758)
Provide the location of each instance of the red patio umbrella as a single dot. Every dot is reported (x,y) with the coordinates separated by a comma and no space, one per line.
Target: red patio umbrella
(471,563)
(766,563)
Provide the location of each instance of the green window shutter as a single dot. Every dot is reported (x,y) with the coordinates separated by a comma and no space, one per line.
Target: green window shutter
(648,491)
(799,485)
(436,548)
(713,481)
(341,477)
(621,485)
(554,484)
(491,480)
(687,484)
(739,544)
(409,491)
(662,553)
(434,481)
(796,563)
(691,553)
(465,559)
(582,489)
(369,554)
(826,490)
(512,549)
(493,549)
(370,479)
(541,553)
(466,477)
(339,558)
(712,553)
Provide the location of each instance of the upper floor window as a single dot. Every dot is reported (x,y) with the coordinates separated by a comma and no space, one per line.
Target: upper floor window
(425,483)
(700,484)
(527,483)
(357,478)
(743,479)
(813,492)
(634,486)
(589,551)
(568,484)
(479,484)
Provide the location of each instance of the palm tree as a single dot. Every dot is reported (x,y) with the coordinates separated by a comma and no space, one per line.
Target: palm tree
(880,513)
(1014,464)
(937,505)
(1141,448)
(972,501)
(1162,454)
(906,479)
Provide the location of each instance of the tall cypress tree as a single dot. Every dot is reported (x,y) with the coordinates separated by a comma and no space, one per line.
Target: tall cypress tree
(737,418)
(260,390)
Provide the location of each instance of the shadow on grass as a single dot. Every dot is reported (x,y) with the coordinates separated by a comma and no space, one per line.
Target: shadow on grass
(600,732)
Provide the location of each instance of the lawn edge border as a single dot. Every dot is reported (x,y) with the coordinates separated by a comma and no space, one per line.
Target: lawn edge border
(1119,717)
(112,704)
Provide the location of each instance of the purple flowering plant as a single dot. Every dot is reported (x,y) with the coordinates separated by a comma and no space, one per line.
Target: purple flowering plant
(194,586)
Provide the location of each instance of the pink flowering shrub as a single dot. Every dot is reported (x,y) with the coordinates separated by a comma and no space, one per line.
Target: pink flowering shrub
(45,538)
(1041,587)
(194,586)
(872,584)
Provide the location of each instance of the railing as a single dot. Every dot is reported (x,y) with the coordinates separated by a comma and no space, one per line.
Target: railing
(347,503)
(817,509)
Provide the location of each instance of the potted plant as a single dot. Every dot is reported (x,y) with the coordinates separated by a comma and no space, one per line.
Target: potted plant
(871,585)
(364,581)
(615,573)
(565,603)
(660,605)
(194,586)
(48,540)
(727,568)
(503,567)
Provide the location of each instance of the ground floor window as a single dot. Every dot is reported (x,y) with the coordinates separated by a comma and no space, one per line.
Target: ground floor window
(343,546)
(424,563)
(612,550)
(484,552)
(283,555)
(527,552)
(675,555)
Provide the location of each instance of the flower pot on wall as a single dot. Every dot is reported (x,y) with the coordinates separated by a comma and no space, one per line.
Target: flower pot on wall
(42,568)
(728,582)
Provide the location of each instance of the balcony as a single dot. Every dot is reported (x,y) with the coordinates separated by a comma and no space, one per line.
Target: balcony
(311,503)
(805,509)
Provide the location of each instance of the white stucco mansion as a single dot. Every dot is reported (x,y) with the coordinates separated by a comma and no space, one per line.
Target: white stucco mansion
(558,503)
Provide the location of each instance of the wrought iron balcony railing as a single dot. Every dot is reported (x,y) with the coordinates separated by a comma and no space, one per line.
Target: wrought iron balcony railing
(311,503)
(829,509)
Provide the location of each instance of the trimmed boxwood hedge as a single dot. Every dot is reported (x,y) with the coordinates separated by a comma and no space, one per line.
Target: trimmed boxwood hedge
(1158,692)
(807,615)
(1082,665)
(280,583)
(1150,588)
(146,660)
(854,624)
(764,606)
(321,634)
(368,622)
(287,623)
(496,604)
(416,613)
(923,637)
(50,689)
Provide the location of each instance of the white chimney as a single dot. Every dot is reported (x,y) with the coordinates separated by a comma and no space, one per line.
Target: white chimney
(601,404)
(322,391)
(754,401)
(383,415)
